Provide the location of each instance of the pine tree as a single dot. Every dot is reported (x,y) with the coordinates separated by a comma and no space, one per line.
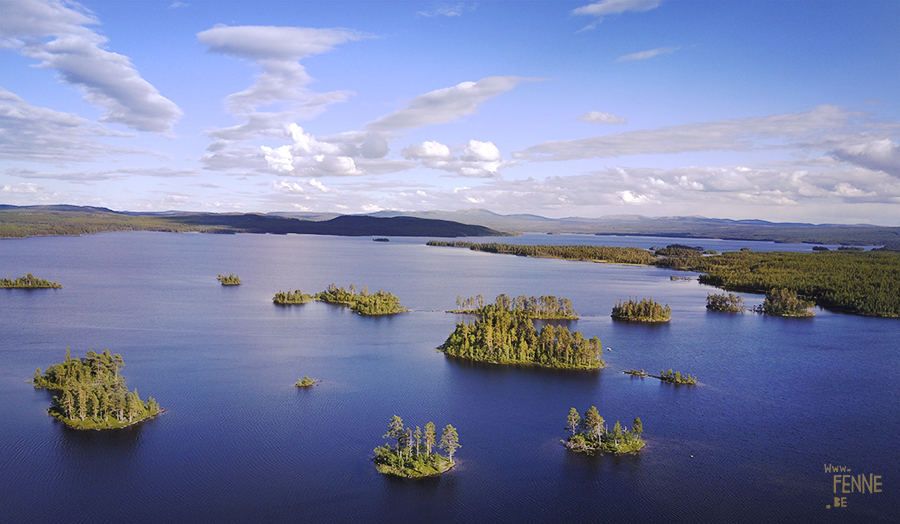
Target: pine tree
(450,441)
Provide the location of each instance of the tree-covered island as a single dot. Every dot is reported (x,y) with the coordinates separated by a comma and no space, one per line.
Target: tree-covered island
(286,298)
(364,303)
(305,382)
(720,302)
(643,311)
(92,394)
(411,455)
(546,307)
(28,281)
(785,303)
(229,280)
(666,376)
(508,336)
(590,435)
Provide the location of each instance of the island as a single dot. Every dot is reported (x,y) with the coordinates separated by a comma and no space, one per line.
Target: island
(589,435)
(305,382)
(286,298)
(719,302)
(230,280)
(363,303)
(785,303)
(666,376)
(545,307)
(381,239)
(92,394)
(28,281)
(508,336)
(411,454)
(643,311)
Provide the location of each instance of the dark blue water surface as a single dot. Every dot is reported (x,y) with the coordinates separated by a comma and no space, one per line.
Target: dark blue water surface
(779,398)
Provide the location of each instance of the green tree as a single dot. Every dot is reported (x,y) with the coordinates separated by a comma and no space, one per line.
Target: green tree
(430,436)
(396,432)
(450,441)
(638,427)
(573,420)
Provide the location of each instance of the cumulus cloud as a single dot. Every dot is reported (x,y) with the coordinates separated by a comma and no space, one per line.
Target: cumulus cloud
(597,117)
(808,129)
(646,55)
(613,7)
(476,159)
(881,155)
(446,105)
(281,85)
(106,79)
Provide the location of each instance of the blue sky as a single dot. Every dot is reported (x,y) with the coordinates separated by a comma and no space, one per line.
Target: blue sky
(778,110)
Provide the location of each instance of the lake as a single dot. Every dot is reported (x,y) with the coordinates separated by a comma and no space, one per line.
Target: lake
(778,399)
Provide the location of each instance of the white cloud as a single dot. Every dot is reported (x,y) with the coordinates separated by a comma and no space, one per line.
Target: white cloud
(646,55)
(597,117)
(29,188)
(882,155)
(629,197)
(613,7)
(481,152)
(446,9)
(429,150)
(446,105)
(38,134)
(106,79)
(279,159)
(808,130)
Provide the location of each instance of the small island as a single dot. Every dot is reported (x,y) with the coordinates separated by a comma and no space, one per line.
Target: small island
(508,336)
(785,303)
(666,376)
(363,303)
(92,393)
(643,311)
(28,281)
(589,435)
(731,303)
(289,297)
(546,307)
(305,382)
(411,455)
(381,239)
(230,280)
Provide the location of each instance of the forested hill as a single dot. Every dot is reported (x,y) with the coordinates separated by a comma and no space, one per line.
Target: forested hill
(19,222)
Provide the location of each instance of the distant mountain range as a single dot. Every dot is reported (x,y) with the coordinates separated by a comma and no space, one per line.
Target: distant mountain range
(18,221)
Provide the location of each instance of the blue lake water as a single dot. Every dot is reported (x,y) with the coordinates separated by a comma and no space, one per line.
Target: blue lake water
(778,400)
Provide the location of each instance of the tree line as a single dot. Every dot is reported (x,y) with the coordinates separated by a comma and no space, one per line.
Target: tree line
(863,283)
(785,303)
(544,307)
(411,455)
(615,255)
(92,394)
(508,336)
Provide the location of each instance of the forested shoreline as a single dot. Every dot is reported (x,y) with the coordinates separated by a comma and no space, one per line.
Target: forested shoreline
(863,283)
(547,307)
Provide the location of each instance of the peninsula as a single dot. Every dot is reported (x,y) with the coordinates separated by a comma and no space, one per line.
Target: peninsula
(92,394)
(590,435)
(785,303)
(411,455)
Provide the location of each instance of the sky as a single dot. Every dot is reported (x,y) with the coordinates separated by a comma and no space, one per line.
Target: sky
(781,110)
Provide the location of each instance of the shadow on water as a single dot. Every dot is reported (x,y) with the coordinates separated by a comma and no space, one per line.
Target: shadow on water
(519,368)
